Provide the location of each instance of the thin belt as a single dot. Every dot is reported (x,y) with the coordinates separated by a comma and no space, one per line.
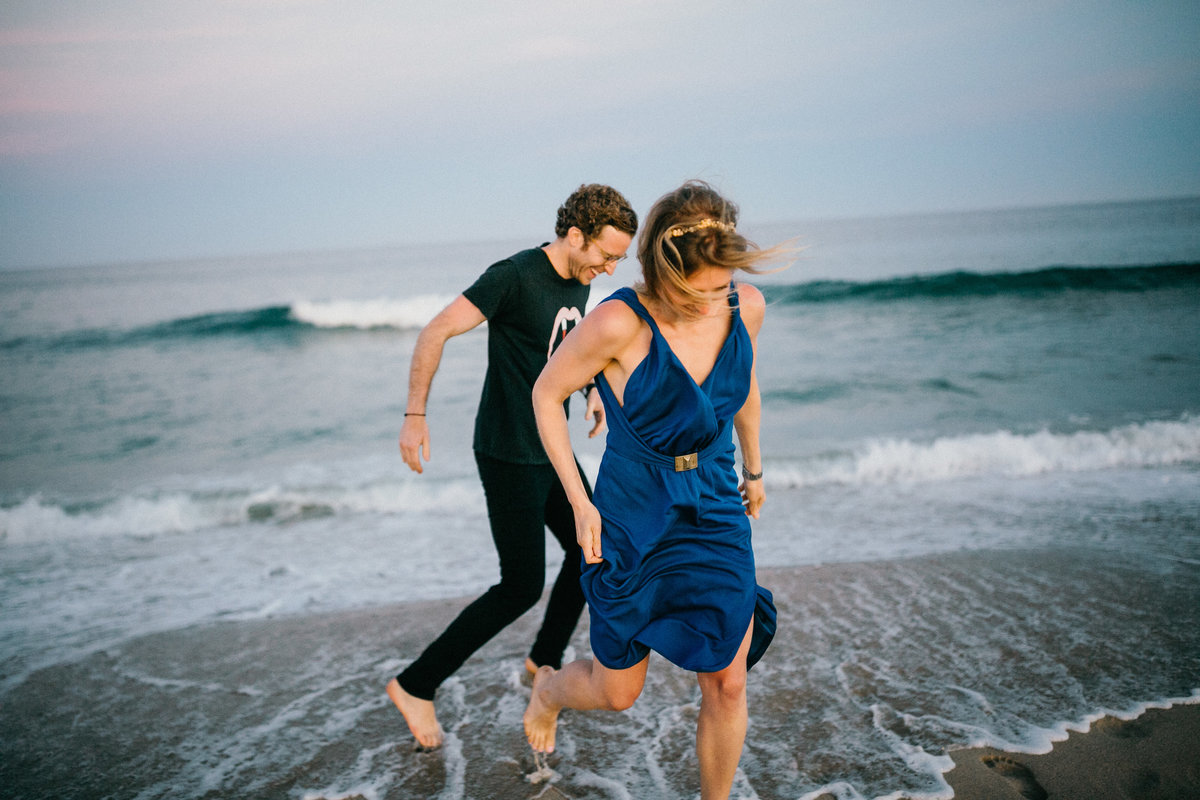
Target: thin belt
(636,450)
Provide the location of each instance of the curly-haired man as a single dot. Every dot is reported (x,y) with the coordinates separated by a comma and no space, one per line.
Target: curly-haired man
(530,300)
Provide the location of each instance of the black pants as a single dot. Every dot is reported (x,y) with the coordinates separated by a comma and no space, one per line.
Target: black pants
(522,501)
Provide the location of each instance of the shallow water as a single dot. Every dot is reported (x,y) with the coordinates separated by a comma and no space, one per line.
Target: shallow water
(878,669)
(983,476)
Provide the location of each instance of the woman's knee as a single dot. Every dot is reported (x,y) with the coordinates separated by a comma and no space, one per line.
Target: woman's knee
(728,685)
(622,698)
(621,689)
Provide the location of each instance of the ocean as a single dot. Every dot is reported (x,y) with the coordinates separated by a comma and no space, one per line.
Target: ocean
(981,438)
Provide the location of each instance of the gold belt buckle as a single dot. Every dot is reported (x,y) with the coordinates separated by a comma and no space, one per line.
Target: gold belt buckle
(684,463)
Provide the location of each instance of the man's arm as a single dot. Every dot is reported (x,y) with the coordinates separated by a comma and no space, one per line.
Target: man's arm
(457,318)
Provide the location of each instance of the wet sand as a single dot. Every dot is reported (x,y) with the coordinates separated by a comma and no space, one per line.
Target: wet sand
(295,707)
(273,708)
(1155,756)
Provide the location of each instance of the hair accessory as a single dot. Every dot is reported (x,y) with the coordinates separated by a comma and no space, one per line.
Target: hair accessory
(684,230)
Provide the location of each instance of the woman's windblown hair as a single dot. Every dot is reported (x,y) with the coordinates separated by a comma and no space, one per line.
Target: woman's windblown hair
(688,229)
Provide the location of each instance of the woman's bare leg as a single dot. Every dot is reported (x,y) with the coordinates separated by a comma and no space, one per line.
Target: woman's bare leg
(582,685)
(721,729)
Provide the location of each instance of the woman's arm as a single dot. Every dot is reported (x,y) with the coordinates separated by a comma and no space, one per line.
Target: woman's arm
(590,347)
(747,420)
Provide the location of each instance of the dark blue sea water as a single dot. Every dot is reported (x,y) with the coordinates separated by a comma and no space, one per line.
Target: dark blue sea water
(188,442)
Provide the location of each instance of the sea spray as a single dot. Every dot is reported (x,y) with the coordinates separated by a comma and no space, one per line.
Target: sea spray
(153,512)
(384,312)
(1000,454)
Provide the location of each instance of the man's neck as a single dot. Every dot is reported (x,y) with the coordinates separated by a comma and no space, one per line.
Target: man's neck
(557,251)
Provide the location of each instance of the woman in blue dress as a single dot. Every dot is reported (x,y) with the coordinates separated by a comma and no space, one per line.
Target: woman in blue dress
(666,537)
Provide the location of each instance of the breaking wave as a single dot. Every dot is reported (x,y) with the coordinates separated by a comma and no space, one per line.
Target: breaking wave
(310,315)
(1001,454)
(973,284)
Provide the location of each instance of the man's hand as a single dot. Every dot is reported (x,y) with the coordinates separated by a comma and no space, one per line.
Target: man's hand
(595,410)
(414,442)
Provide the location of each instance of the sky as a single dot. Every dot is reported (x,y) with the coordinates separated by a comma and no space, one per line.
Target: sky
(134,131)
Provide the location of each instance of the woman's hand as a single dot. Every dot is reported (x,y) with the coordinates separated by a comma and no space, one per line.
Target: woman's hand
(753,495)
(587,532)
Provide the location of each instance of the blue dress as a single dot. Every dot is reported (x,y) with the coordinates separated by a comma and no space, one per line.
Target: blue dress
(678,570)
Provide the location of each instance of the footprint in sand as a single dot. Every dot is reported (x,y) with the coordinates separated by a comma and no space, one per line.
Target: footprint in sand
(1018,774)
(1120,728)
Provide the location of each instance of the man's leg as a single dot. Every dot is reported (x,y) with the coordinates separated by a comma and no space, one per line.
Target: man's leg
(566,598)
(516,500)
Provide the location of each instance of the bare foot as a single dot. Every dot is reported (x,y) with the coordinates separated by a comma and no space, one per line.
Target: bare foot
(530,672)
(541,718)
(419,714)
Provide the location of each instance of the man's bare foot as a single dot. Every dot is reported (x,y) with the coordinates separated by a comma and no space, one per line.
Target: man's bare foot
(530,672)
(541,718)
(419,714)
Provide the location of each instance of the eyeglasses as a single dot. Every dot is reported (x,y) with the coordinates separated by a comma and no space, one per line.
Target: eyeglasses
(609,258)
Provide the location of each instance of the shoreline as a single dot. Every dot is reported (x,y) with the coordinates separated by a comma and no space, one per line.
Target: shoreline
(295,705)
(1155,754)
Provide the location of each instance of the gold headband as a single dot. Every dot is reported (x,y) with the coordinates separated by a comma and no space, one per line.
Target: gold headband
(675,233)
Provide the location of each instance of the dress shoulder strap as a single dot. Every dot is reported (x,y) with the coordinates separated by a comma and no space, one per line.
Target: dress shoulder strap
(628,296)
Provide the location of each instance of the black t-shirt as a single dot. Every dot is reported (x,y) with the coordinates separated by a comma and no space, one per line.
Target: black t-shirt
(529,308)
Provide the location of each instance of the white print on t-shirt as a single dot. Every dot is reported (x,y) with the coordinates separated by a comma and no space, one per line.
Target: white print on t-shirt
(566,319)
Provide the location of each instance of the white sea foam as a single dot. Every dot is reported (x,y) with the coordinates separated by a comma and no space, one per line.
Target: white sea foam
(406,314)
(160,513)
(37,519)
(1038,740)
(334,490)
(1000,454)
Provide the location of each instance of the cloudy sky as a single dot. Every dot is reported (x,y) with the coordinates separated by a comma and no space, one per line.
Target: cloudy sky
(183,129)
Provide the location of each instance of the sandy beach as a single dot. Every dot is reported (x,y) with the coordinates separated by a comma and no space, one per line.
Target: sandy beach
(295,707)
(1155,756)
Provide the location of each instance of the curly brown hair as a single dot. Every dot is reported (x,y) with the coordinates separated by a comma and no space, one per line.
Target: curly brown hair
(591,207)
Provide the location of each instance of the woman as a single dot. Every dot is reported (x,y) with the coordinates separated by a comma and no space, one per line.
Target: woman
(666,539)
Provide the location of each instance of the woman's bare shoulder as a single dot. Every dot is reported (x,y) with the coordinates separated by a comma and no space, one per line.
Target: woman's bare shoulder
(753,306)
(750,295)
(613,320)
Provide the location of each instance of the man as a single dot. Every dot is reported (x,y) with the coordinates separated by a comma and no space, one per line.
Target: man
(530,301)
